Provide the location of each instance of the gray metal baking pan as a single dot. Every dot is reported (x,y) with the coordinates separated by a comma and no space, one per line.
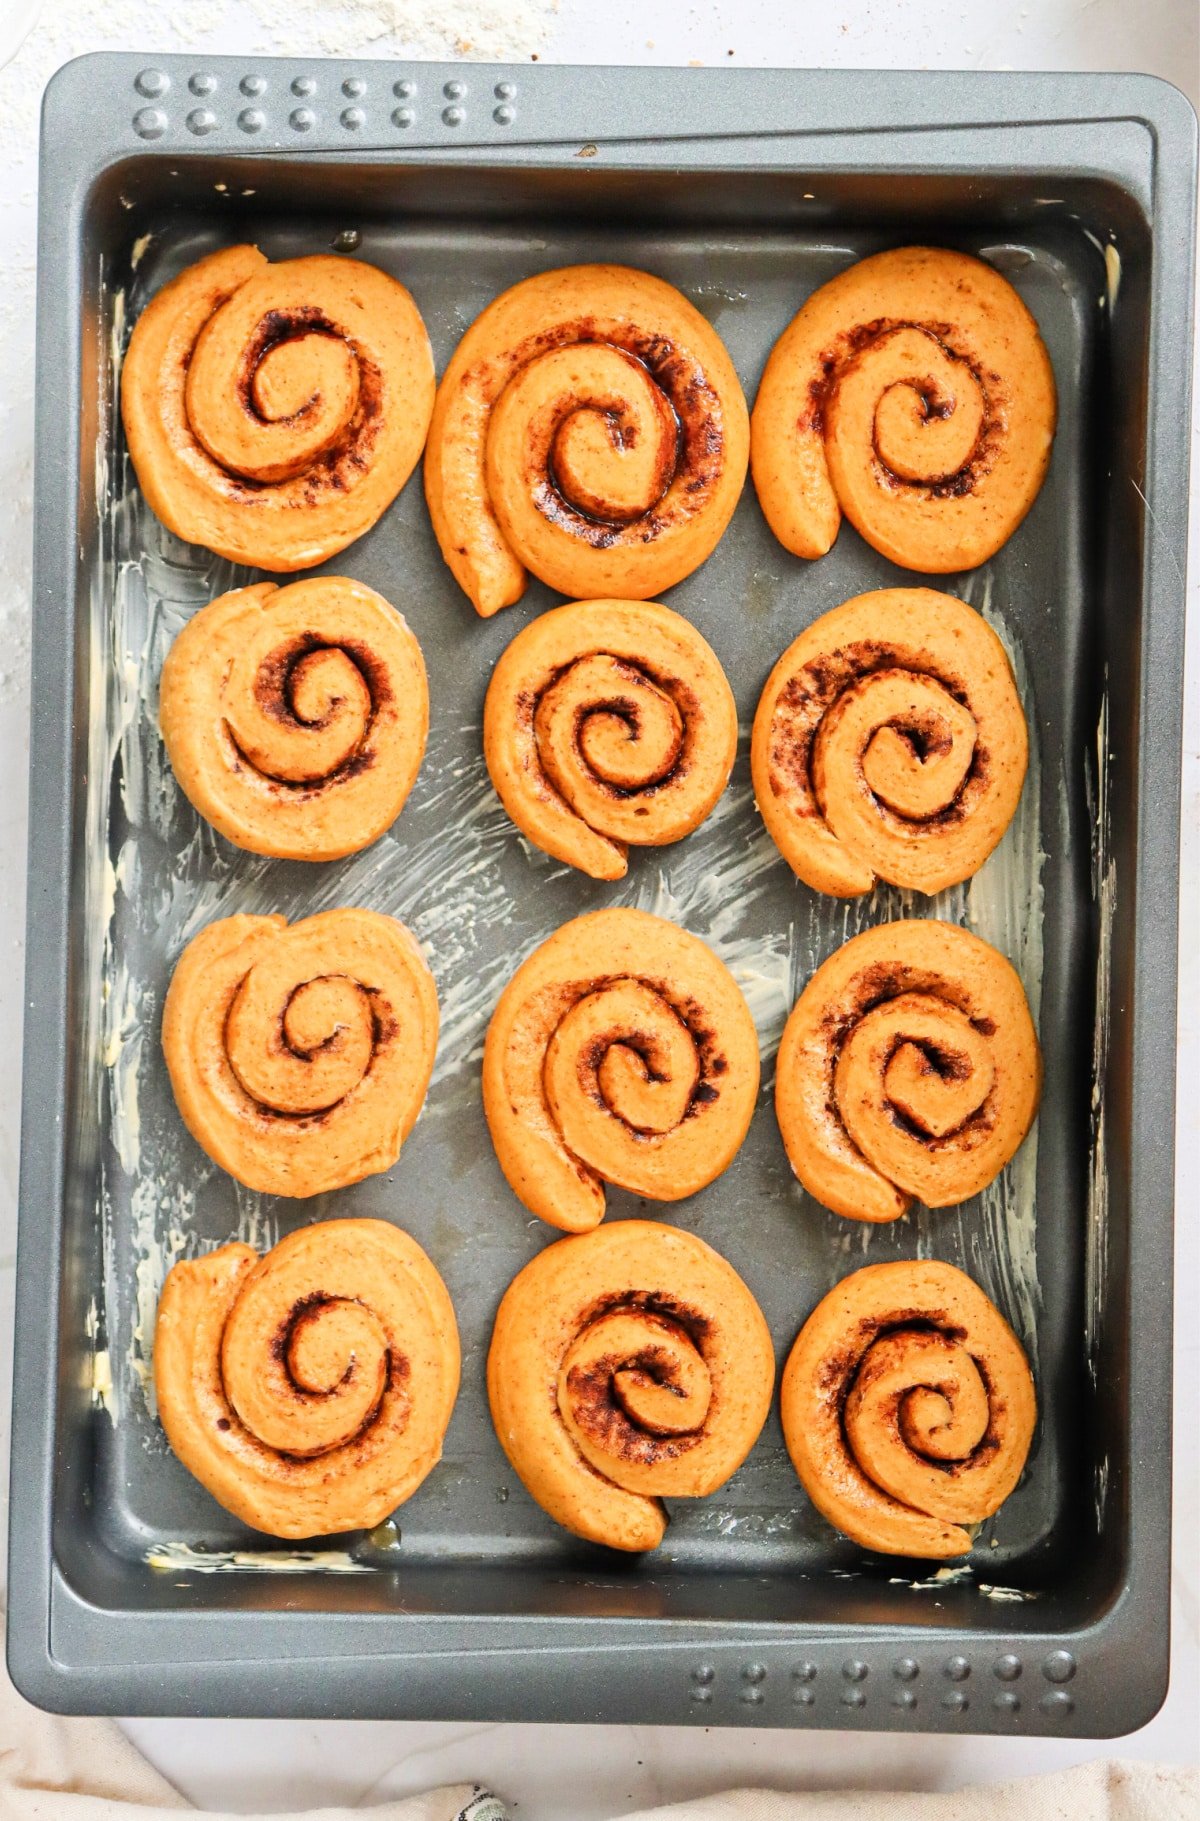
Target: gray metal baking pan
(130,1590)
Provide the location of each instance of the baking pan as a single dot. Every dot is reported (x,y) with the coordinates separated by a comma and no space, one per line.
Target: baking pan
(130,1590)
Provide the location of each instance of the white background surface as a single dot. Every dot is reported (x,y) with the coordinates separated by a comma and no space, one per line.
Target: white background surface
(584,1773)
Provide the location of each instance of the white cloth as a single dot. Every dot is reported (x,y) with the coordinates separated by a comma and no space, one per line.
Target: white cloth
(69,1769)
(56,1769)
(1101,1791)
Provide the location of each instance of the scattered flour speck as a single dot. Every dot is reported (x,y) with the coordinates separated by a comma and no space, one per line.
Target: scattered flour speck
(495,30)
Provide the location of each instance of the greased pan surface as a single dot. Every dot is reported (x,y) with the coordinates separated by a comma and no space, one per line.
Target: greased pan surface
(132,1590)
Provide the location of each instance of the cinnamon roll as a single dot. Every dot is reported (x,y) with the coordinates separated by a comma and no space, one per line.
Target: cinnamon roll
(909,1069)
(608,724)
(627,1365)
(890,743)
(273,412)
(309,1390)
(300,1057)
(590,427)
(295,718)
(908,1408)
(913,393)
(620,1051)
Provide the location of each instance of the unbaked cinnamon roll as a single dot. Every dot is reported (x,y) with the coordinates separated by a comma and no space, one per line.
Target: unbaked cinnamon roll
(909,1070)
(295,718)
(627,1365)
(620,1051)
(890,743)
(273,412)
(300,1057)
(914,394)
(309,1390)
(908,1408)
(608,724)
(590,427)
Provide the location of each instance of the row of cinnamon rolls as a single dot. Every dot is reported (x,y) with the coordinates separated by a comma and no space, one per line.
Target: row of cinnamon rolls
(620,1052)
(310,1390)
(889,741)
(590,427)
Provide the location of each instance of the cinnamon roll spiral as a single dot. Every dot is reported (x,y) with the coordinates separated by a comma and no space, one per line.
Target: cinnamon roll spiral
(295,718)
(908,1408)
(300,1056)
(909,1069)
(309,1390)
(273,412)
(913,393)
(590,427)
(890,743)
(627,1365)
(620,1051)
(608,724)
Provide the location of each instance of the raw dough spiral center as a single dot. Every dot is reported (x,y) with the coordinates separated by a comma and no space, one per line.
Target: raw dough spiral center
(918,1401)
(630,1379)
(626,730)
(611,459)
(933,1070)
(299,395)
(330,1358)
(621,1055)
(312,724)
(311,1056)
(928,407)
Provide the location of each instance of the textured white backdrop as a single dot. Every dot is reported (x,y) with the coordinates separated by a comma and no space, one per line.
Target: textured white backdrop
(576,1773)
